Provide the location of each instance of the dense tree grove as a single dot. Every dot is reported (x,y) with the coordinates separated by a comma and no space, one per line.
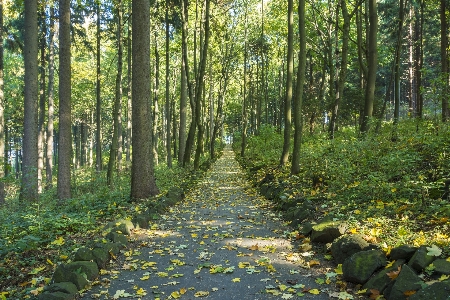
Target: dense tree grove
(224,67)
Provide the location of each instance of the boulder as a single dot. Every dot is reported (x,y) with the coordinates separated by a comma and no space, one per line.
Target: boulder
(380,280)
(402,252)
(101,256)
(327,231)
(55,296)
(141,220)
(360,266)
(111,247)
(120,226)
(406,282)
(347,245)
(176,194)
(306,228)
(62,274)
(117,238)
(420,260)
(64,287)
(83,254)
(436,291)
(441,267)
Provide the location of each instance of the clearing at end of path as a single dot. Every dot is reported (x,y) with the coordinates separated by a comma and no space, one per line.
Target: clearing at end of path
(221,242)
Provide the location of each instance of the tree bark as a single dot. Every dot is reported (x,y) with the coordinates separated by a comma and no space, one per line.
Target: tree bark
(98,137)
(289,85)
(444,62)
(129,115)
(143,184)
(167,104)
(50,92)
(65,137)
(113,153)
(372,67)
(29,187)
(41,114)
(298,101)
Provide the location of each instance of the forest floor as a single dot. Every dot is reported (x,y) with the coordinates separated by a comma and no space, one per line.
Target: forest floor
(222,242)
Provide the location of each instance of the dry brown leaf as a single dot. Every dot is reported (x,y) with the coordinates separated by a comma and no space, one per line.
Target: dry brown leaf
(394,274)
(409,293)
(374,294)
(253,247)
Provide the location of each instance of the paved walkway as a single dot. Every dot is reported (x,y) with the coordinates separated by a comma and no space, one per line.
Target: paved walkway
(222,242)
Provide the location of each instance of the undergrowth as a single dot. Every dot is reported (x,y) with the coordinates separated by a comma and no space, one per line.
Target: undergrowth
(394,191)
(35,237)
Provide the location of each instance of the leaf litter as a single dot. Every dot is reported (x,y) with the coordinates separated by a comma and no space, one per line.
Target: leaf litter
(222,242)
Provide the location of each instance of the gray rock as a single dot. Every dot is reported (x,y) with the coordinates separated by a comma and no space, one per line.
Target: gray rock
(113,248)
(406,281)
(120,226)
(63,274)
(441,267)
(64,287)
(347,245)
(88,268)
(83,254)
(402,252)
(176,194)
(141,220)
(55,296)
(306,228)
(420,260)
(380,280)
(436,291)
(328,231)
(101,256)
(360,266)
(117,238)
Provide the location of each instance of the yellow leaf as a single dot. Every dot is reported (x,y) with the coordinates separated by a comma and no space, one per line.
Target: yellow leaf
(314,291)
(141,292)
(201,294)
(237,279)
(49,262)
(146,277)
(448,259)
(36,270)
(444,277)
(313,263)
(59,241)
(390,264)
(63,257)
(338,270)
(393,190)
(282,287)
(175,295)
(183,291)
(357,212)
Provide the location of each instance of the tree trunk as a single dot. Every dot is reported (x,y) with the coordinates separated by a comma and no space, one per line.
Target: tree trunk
(50,112)
(289,85)
(98,137)
(183,110)
(143,184)
(419,60)
(65,142)
(117,101)
(2,114)
(298,101)
(444,62)
(372,67)
(167,104)
(397,56)
(244,102)
(129,132)
(156,106)
(41,115)
(29,187)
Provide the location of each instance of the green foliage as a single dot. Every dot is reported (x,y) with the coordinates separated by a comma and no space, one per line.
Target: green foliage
(378,184)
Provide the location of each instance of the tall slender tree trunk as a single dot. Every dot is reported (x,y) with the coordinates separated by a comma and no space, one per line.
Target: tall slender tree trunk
(117,101)
(50,92)
(444,62)
(156,105)
(29,187)
(2,114)
(98,111)
(298,126)
(419,59)
(372,67)
(65,141)
(41,114)
(289,85)
(129,109)
(167,104)
(183,111)
(244,102)
(143,184)
(200,85)
(398,50)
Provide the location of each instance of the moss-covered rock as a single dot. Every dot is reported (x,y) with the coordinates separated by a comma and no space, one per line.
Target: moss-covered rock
(327,231)
(117,238)
(347,245)
(420,260)
(407,281)
(380,280)
(360,266)
(83,254)
(436,291)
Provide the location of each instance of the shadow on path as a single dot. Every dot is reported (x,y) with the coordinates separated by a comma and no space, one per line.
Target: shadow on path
(221,242)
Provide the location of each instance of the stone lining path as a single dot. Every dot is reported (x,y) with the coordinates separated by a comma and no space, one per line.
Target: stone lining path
(221,242)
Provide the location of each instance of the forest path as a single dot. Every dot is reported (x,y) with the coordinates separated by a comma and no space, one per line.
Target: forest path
(221,242)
